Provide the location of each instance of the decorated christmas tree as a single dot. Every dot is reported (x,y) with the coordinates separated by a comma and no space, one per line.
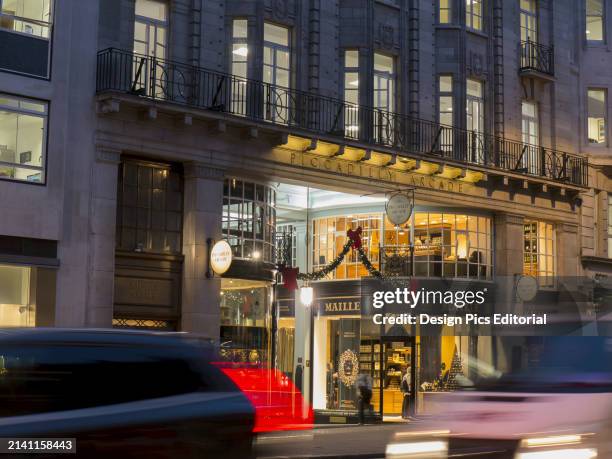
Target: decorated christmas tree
(455,370)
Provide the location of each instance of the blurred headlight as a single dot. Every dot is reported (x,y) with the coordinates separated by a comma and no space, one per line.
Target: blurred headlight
(551,441)
(568,453)
(418,449)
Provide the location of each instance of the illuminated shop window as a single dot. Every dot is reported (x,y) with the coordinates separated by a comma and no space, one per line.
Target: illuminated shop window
(444,245)
(329,237)
(245,320)
(539,251)
(23,139)
(32,17)
(249,219)
(15,307)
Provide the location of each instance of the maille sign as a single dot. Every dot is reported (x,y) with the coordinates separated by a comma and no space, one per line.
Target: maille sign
(339,306)
(221,257)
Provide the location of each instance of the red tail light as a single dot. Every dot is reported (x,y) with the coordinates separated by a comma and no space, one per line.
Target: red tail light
(279,405)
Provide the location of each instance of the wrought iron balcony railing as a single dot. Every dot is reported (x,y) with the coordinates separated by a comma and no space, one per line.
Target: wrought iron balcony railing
(535,56)
(200,88)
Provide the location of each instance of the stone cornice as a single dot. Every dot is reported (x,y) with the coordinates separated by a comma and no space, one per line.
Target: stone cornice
(195,169)
(108,155)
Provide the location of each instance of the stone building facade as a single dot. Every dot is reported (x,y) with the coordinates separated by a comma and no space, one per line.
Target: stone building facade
(148,111)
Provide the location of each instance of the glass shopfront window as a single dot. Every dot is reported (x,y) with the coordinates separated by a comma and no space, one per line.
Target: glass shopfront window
(431,244)
(23,139)
(245,320)
(539,251)
(329,238)
(249,219)
(150,208)
(16,309)
(336,362)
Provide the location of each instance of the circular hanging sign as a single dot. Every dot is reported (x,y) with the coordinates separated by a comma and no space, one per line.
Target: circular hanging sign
(221,257)
(526,288)
(399,208)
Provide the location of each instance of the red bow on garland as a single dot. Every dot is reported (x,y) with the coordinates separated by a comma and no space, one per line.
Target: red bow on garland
(355,237)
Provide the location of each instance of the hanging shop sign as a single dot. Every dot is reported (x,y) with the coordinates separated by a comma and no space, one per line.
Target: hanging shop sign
(220,257)
(399,208)
(526,288)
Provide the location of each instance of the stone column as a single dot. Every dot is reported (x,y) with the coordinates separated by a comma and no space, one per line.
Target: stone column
(568,252)
(103,216)
(201,221)
(508,244)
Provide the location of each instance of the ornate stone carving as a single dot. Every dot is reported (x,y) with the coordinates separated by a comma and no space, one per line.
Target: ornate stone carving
(280,8)
(476,63)
(386,36)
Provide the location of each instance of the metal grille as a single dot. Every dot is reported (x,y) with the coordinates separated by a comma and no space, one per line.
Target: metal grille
(197,87)
(143,324)
(535,56)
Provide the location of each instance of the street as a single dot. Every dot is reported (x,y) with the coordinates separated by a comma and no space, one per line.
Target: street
(354,441)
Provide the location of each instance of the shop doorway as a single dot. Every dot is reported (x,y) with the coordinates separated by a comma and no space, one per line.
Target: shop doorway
(394,374)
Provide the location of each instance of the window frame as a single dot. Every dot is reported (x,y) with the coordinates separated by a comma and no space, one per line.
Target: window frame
(602,18)
(603,144)
(238,83)
(530,156)
(448,9)
(530,15)
(148,209)
(609,218)
(44,141)
(480,101)
(48,24)
(240,231)
(469,15)
(156,24)
(540,252)
(350,107)
(274,112)
(275,48)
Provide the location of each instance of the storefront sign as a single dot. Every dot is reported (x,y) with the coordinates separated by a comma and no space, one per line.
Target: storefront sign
(221,257)
(339,306)
(399,208)
(371,171)
(526,288)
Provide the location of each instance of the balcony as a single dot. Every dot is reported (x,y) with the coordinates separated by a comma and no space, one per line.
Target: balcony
(537,58)
(312,114)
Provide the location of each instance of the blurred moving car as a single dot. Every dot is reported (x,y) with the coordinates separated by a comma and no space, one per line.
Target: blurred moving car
(122,394)
(561,409)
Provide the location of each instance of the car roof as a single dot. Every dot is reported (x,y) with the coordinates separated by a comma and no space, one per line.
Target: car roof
(101,336)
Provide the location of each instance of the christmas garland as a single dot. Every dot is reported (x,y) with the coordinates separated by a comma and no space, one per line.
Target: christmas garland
(291,275)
